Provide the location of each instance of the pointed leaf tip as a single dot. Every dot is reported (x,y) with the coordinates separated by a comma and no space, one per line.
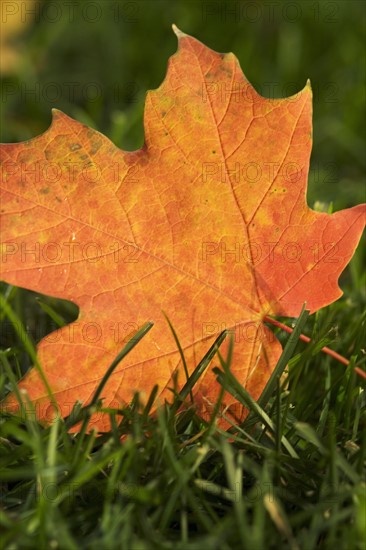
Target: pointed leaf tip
(56,113)
(178,32)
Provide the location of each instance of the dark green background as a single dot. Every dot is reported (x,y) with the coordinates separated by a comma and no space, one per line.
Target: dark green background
(115,51)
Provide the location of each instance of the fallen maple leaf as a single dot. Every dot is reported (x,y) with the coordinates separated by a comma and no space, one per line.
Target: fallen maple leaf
(208,222)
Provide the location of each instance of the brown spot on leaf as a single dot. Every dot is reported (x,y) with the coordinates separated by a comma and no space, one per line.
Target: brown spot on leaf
(75,146)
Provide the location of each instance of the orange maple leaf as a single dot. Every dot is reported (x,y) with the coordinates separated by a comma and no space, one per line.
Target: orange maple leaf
(208,222)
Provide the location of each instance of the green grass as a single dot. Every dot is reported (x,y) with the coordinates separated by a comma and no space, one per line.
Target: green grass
(291,476)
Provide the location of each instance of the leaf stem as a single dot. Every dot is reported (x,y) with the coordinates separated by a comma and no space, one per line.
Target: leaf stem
(306,339)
